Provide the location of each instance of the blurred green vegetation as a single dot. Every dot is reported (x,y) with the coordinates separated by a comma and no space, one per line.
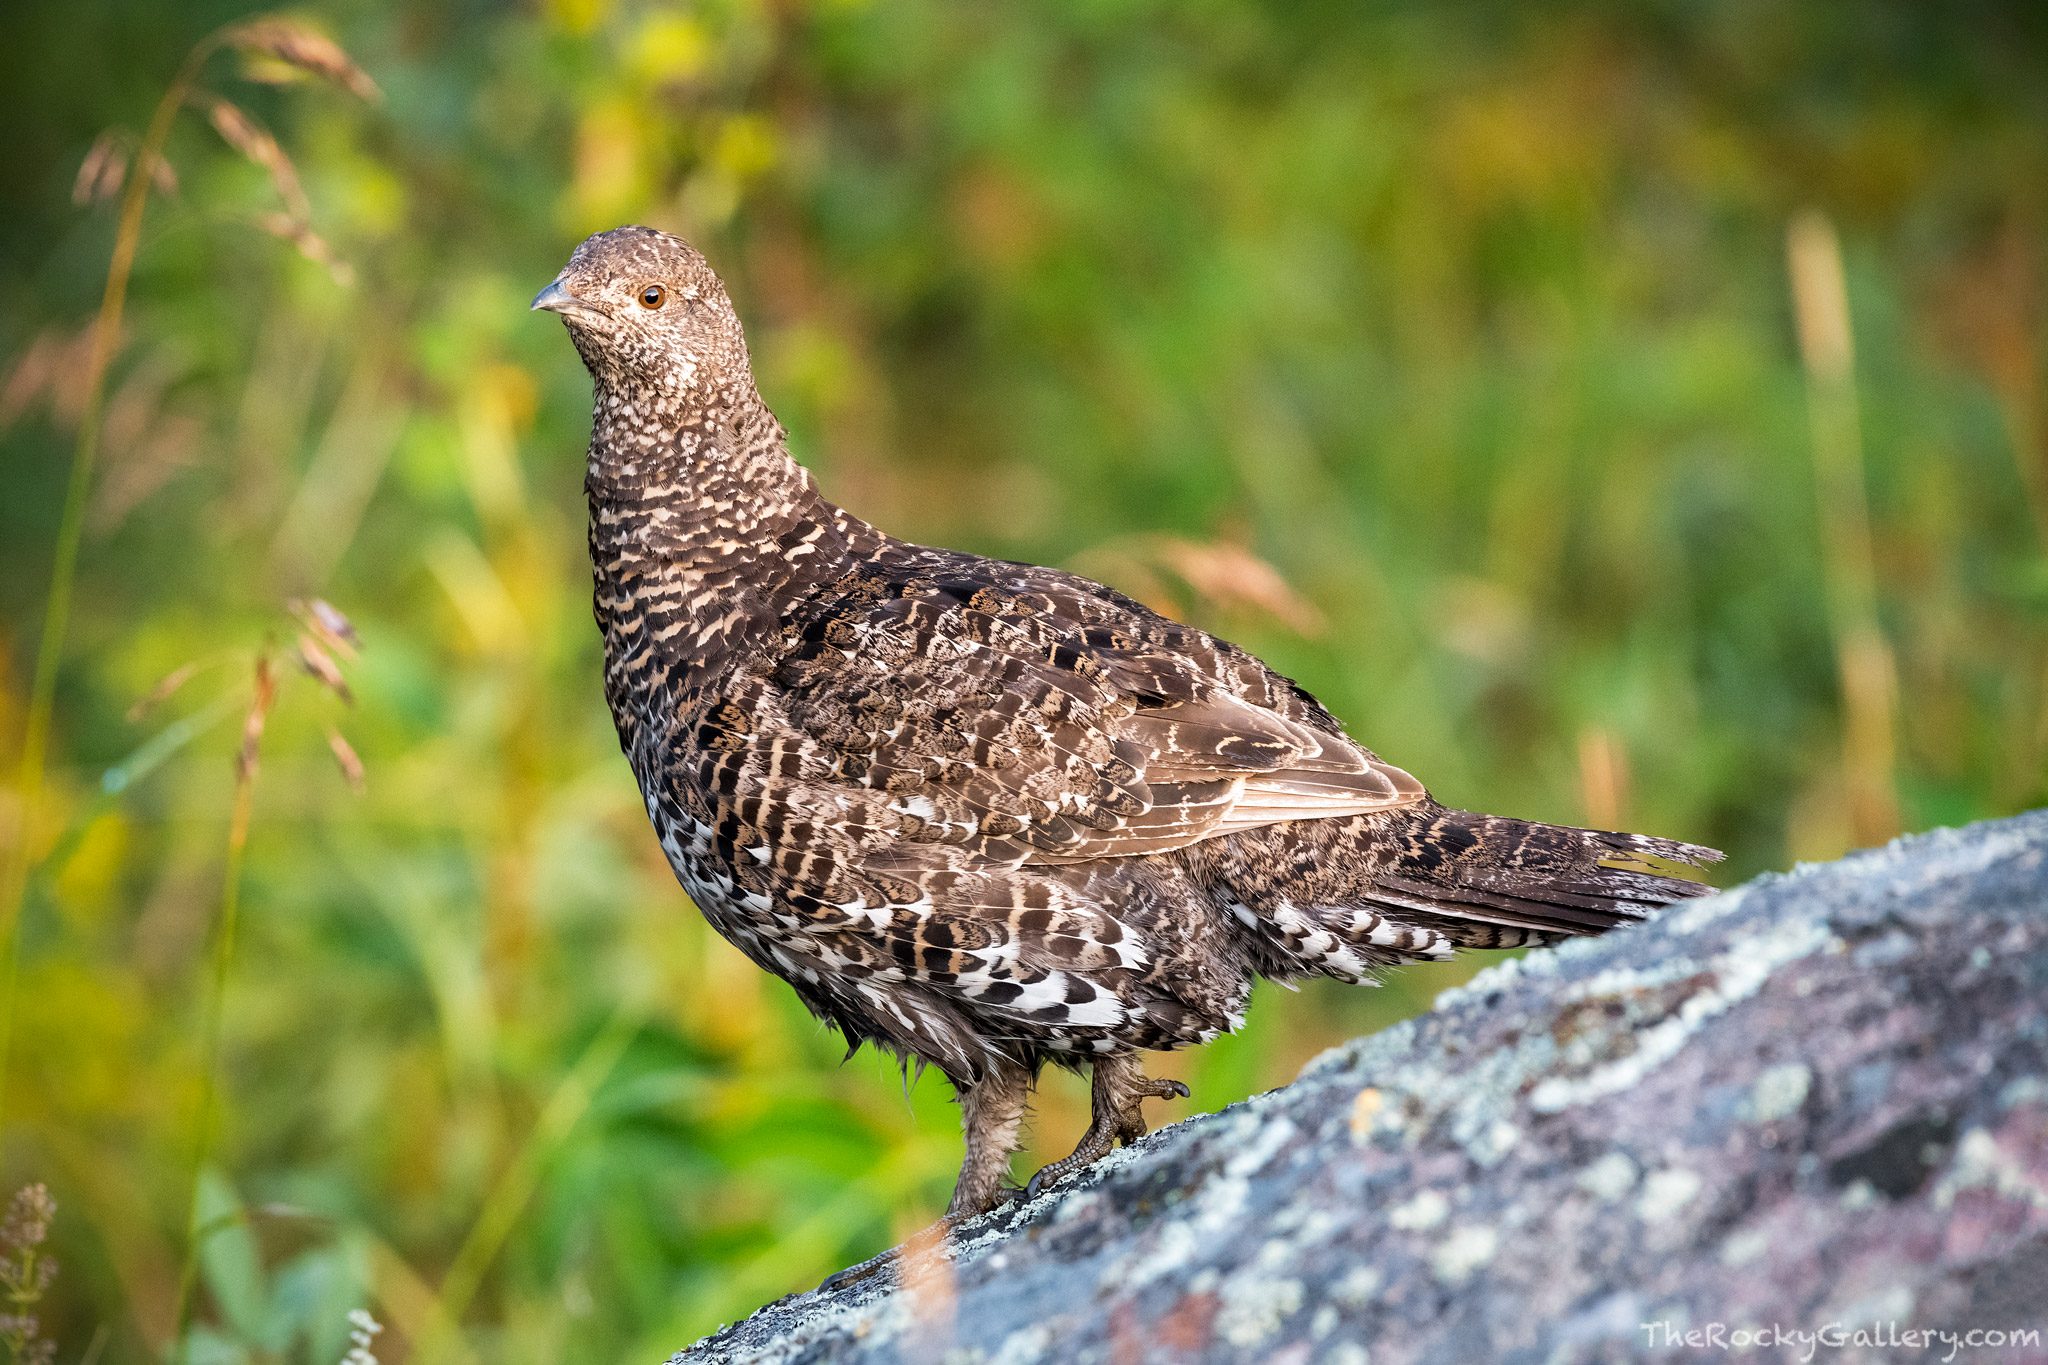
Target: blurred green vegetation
(1443,354)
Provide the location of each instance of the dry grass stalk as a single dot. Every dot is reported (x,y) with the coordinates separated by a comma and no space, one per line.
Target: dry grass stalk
(254,141)
(1864,659)
(310,244)
(146,440)
(1992,311)
(105,170)
(101,173)
(261,700)
(1220,575)
(163,691)
(276,48)
(328,632)
(1603,779)
(295,224)
(319,664)
(327,624)
(335,625)
(52,369)
(1232,576)
(345,759)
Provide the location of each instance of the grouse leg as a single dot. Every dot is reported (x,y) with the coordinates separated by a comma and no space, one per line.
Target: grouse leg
(1115,1092)
(991,1112)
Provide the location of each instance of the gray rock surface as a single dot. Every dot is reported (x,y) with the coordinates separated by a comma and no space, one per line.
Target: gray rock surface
(1815,1104)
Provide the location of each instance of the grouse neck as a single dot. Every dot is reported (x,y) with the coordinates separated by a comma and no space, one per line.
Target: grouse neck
(693,477)
(703,533)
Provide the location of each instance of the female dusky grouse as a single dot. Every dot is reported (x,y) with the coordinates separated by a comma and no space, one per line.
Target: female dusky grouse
(984,814)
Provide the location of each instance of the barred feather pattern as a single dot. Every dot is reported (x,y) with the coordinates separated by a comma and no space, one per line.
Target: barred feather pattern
(985,814)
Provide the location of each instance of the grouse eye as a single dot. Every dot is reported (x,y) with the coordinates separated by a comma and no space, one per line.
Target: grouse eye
(651,296)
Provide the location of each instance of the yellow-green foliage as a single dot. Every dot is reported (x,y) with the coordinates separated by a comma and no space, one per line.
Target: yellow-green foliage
(1444,354)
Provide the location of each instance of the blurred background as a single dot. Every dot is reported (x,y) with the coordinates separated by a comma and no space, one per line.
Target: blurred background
(1618,414)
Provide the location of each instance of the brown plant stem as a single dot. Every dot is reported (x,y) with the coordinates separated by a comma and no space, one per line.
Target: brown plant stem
(1868,676)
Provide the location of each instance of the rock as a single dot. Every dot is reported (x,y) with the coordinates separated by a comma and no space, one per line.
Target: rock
(1816,1104)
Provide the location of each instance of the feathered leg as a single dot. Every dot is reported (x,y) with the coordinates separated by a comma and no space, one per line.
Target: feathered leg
(991,1112)
(1118,1087)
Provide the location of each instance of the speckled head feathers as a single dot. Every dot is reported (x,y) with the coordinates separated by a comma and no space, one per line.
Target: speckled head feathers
(649,316)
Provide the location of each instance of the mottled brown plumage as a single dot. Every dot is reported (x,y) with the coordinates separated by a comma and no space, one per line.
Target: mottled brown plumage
(988,815)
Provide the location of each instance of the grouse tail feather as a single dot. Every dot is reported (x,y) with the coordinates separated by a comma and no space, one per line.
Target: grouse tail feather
(1487,881)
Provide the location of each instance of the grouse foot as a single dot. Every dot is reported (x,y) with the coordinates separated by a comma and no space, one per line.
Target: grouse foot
(1119,1086)
(945,1227)
(854,1274)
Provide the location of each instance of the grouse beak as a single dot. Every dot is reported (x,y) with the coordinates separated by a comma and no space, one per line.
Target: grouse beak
(556,298)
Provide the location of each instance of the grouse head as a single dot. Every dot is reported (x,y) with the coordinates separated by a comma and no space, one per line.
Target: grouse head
(650,319)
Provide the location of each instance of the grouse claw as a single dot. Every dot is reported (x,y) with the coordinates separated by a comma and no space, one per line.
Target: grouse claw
(854,1274)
